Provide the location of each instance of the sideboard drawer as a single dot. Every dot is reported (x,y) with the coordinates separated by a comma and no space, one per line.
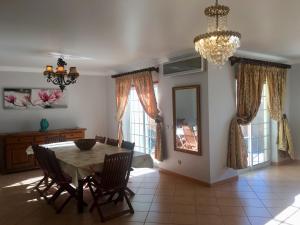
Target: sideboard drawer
(75,135)
(16,140)
(39,139)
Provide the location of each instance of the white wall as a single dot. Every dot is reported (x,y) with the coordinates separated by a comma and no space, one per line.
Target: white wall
(112,128)
(294,106)
(217,109)
(86,105)
(194,166)
(221,99)
(191,165)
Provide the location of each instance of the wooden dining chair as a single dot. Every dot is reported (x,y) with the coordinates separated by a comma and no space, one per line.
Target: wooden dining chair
(46,181)
(54,139)
(100,139)
(112,142)
(129,146)
(62,180)
(190,138)
(111,182)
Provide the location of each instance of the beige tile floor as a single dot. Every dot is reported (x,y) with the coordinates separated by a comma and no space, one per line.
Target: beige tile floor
(268,196)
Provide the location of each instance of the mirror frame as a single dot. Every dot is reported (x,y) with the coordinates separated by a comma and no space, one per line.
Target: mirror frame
(174,89)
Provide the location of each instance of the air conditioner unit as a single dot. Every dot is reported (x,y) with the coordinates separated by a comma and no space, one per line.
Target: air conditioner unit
(184,66)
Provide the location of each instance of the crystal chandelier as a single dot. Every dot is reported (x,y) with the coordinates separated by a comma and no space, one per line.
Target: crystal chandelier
(218,44)
(60,77)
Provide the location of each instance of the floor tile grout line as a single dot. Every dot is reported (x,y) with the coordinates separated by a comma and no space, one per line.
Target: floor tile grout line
(248,217)
(150,205)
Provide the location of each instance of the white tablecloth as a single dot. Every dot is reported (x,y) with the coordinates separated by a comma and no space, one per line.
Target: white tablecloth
(79,164)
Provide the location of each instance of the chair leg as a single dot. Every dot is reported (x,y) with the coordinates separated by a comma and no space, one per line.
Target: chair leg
(43,193)
(40,182)
(120,197)
(48,186)
(129,204)
(100,213)
(98,205)
(131,193)
(95,197)
(63,205)
(90,185)
(56,195)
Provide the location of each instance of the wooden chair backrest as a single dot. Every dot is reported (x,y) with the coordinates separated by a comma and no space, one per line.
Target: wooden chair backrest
(55,170)
(128,145)
(112,142)
(189,136)
(100,139)
(115,171)
(41,158)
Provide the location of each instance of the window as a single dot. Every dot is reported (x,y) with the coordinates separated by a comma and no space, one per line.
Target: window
(138,127)
(257,134)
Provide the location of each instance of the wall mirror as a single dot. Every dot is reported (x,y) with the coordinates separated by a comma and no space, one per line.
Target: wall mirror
(186,119)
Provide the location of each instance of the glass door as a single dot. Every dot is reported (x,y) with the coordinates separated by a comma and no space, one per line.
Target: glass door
(257,135)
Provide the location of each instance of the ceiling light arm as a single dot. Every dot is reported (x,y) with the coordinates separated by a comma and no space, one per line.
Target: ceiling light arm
(60,77)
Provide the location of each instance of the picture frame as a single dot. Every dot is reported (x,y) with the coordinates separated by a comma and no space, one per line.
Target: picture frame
(34,98)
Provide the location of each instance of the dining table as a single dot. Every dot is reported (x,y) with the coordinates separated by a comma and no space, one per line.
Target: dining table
(80,164)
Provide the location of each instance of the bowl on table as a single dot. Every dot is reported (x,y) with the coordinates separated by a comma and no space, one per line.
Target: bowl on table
(85,144)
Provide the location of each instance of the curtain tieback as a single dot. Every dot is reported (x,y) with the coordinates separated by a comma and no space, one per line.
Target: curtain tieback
(158,119)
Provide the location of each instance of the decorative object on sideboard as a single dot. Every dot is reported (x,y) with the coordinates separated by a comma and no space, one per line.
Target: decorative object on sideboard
(33,98)
(219,43)
(60,77)
(85,144)
(44,125)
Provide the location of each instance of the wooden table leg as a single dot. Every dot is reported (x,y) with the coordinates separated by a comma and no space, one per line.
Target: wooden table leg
(80,196)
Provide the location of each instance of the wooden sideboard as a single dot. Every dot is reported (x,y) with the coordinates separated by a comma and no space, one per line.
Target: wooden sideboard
(13,147)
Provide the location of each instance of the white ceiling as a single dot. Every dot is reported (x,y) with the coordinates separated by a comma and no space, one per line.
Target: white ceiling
(120,35)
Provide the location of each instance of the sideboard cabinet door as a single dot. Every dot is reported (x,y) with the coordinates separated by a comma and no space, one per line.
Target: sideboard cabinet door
(13,147)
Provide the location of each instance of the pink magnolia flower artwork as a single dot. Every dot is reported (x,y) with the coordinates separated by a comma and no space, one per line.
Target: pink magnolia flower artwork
(10,98)
(34,98)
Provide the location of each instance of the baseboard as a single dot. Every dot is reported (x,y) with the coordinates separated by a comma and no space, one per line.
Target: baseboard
(285,162)
(203,183)
(184,177)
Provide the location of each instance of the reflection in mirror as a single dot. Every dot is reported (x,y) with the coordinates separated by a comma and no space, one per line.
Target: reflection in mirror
(186,112)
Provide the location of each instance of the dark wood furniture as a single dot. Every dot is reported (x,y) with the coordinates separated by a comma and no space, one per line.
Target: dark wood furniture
(112,142)
(55,139)
(129,146)
(39,156)
(49,161)
(112,181)
(100,139)
(13,157)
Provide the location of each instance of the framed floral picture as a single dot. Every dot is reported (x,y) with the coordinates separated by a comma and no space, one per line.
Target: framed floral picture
(34,98)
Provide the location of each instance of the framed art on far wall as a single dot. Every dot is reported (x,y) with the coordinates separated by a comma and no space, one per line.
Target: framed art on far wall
(34,98)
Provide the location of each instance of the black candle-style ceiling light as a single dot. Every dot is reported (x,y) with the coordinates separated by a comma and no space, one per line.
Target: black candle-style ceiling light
(60,76)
